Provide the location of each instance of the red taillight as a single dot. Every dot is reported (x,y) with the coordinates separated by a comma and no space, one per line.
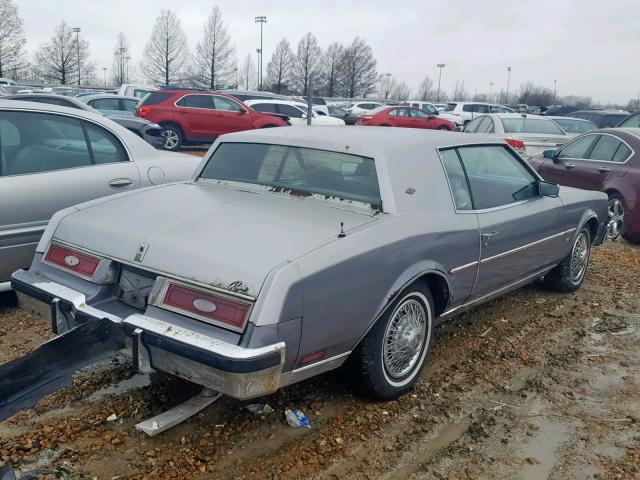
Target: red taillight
(144,111)
(207,306)
(72,260)
(517,144)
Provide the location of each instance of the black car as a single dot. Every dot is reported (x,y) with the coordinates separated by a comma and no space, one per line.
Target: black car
(632,121)
(148,131)
(337,112)
(602,118)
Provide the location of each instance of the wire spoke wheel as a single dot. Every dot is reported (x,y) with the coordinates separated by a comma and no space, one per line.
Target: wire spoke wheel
(579,257)
(404,338)
(616,218)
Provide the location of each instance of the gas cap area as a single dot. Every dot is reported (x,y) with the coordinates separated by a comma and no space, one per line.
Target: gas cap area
(156,175)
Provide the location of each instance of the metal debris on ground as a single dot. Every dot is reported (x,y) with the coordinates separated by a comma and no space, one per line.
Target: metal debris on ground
(296,419)
(260,409)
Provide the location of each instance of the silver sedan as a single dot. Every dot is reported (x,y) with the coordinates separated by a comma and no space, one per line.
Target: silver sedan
(53,157)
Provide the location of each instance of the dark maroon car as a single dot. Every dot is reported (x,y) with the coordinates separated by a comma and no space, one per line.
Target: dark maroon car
(605,160)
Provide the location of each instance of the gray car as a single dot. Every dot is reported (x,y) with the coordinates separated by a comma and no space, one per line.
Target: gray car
(292,251)
(111,105)
(54,157)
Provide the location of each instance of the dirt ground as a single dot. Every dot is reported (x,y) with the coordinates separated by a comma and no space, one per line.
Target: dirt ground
(534,385)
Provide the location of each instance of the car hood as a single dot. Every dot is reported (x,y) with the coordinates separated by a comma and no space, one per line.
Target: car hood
(210,234)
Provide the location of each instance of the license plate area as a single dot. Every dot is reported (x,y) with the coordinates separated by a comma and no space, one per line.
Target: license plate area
(134,288)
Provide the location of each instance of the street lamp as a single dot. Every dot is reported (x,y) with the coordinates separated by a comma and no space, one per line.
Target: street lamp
(104,69)
(126,72)
(440,66)
(261,20)
(76,30)
(259,52)
(506,100)
(555,88)
(490,92)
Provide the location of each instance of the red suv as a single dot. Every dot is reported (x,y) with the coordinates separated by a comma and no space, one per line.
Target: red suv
(194,116)
(409,117)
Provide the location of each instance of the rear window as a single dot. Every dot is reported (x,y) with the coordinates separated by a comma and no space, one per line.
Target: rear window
(612,120)
(296,170)
(575,126)
(155,97)
(632,122)
(530,125)
(450,107)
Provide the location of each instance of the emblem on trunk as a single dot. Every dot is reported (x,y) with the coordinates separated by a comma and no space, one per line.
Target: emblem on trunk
(142,250)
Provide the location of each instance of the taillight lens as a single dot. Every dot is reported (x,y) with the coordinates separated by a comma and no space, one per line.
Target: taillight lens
(517,144)
(143,111)
(72,260)
(208,307)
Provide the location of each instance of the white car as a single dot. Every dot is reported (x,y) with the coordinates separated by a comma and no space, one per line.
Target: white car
(132,90)
(362,108)
(431,109)
(529,135)
(296,111)
(6,81)
(470,110)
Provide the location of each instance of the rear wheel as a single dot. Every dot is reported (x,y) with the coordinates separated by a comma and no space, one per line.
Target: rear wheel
(390,358)
(568,275)
(616,216)
(444,127)
(173,137)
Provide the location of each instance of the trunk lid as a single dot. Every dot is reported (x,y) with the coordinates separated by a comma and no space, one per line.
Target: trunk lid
(211,234)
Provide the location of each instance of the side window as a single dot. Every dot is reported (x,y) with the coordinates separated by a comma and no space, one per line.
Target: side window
(105,147)
(496,177)
(622,154)
(105,104)
(457,179)
(222,103)
(605,148)
(632,122)
(578,148)
(399,112)
(290,111)
(474,125)
(264,107)
(419,113)
(467,108)
(481,108)
(488,126)
(427,107)
(195,101)
(59,145)
(129,105)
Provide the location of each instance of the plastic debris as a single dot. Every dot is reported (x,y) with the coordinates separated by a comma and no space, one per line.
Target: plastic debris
(296,419)
(577,394)
(259,409)
(112,418)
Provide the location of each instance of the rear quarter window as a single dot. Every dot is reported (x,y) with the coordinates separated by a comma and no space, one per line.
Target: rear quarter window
(155,97)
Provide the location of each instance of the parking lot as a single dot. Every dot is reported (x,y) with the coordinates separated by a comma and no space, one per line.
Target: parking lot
(530,386)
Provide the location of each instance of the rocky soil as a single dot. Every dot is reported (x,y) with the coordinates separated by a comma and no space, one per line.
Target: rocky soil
(531,386)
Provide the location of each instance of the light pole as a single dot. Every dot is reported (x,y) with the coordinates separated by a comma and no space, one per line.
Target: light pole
(555,88)
(490,92)
(261,20)
(76,30)
(440,66)
(386,85)
(259,52)
(104,70)
(126,71)
(235,72)
(506,100)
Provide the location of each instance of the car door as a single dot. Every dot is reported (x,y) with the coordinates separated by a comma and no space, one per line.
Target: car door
(423,120)
(296,116)
(562,169)
(50,162)
(400,117)
(197,114)
(521,232)
(231,116)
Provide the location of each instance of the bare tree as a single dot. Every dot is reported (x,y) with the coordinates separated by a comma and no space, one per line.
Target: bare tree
(306,63)
(532,94)
(459,92)
(402,91)
(248,73)
(330,65)
(57,59)
(165,55)
(358,75)
(120,68)
(425,89)
(279,68)
(214,61)
(387,84)
(12,57)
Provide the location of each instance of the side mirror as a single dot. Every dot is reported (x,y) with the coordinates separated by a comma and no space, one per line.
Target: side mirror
(304,115)
(548,189)
(242,111)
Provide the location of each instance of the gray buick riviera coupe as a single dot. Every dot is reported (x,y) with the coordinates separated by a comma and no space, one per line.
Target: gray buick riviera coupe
(292,251)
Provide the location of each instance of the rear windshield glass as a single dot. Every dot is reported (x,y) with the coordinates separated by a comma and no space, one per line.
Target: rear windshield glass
(155,97)
(530,125)
(296,170)
(574,126)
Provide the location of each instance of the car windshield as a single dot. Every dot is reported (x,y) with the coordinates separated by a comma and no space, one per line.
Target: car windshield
(575,126)
(530,125)
(296,170)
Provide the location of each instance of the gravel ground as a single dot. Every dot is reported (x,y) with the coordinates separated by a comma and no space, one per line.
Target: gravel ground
(534,385)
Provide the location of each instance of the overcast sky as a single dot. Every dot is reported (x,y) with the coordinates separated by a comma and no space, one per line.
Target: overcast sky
(591,47)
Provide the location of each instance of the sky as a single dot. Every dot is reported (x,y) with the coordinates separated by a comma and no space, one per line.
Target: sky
(590,47)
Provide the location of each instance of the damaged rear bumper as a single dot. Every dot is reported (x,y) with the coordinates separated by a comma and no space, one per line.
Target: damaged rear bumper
(155,344)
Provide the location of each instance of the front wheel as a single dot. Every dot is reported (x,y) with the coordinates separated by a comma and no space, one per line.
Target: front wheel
(568,275)
(390,358)
(172,136)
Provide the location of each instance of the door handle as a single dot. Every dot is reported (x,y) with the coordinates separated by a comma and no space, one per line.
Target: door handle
(604,170)
(120,183)
(569,166)
(486,236)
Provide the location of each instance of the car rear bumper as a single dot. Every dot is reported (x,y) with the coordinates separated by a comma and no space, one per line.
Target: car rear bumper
(155,344)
